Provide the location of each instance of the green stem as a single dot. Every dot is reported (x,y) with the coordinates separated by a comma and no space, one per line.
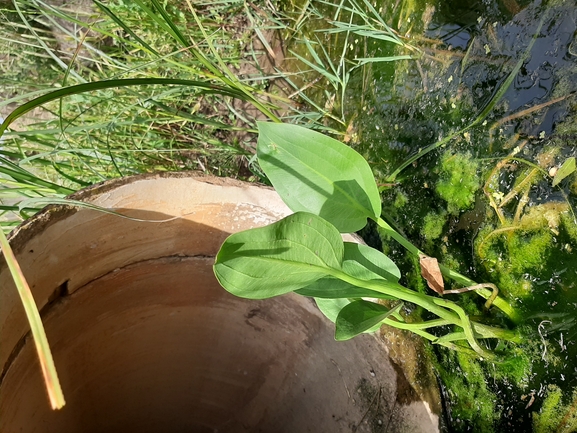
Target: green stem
(453,336)
(449,273)
(436,306)
(484,330)
(393,176)
(466,325)
(425,325)
(443,341)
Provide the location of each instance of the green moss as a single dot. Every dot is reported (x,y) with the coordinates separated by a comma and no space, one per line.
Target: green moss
(547,215)
(573,186)
(569,225)
(569,422)
(474,405)
(400,200)
(549,417)
(451,261)
(484,245)
(512,252)
(458,181)
(529,251)
(471,401)
(517,366)
(414,278)
(554,417)
(433,224)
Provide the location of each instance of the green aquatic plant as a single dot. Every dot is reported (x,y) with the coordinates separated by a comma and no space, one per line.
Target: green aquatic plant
(518,248)
(554,416)
(458,181)
(470,399)
(511,254)
(433,225)
(521,243)
(481,117)
(566,169)
(331,189)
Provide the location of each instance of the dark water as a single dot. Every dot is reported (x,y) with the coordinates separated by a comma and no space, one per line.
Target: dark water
(480,45)
(528,245)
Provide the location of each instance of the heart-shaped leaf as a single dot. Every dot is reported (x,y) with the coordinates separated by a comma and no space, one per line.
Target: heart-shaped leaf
(332,294)
(332,307)
(361,262)
(279,258)
(318,174)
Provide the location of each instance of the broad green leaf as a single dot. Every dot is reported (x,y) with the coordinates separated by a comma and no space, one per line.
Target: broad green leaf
(362,262)
(331,307)
(565,170)
(358,317)
(376,264)
(329,287)
(279,258)
(318,174)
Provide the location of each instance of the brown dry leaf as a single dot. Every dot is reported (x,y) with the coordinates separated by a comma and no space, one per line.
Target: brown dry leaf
(431,272)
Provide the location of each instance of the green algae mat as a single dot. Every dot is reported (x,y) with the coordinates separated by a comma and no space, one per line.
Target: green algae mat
(467,120)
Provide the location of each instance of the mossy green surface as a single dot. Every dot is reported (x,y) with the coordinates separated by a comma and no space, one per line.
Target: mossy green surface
(521,256)
(400,199)
(458,181)
(484,205)
(433,226)
(548,418)
(554,416)
(473,403)
(528,251)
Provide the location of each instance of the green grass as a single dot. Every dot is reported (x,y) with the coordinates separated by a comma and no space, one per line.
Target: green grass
(89,134)
(97,134)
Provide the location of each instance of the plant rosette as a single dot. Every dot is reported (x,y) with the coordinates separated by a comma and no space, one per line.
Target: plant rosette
(331,189)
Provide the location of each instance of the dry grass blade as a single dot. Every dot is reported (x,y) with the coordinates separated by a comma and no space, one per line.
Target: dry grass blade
(53,387)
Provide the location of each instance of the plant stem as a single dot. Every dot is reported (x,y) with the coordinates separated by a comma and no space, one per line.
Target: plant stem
(436,306)
(449,273)
(432,338)
(393,176)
